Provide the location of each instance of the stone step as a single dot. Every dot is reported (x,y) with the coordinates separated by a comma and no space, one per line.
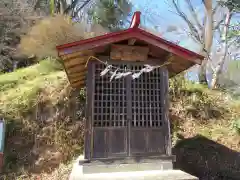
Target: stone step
(129,170)
(109,168)
(135,175)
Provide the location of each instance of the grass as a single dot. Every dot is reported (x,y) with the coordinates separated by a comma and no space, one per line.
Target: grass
(20,90)
(43,129)
(11,80)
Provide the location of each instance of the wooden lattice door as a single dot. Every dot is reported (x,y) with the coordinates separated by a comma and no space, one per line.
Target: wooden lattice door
(147,135)
(109,115)
(128,114)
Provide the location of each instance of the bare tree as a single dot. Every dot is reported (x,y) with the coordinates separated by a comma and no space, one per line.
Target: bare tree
(231,7)
(15,18)
(68,7)
(203,30)
(223,49)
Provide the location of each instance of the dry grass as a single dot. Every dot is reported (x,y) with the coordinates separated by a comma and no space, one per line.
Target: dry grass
(197,110)
(61,173)
(44,117)
(205,140)
(43,37)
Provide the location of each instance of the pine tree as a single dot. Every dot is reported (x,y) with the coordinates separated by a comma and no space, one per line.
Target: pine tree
(111,14)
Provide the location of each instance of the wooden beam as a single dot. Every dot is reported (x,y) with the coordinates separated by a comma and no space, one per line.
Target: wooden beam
(131,42)
(77,54)
(76,79)
(78,84)
(169,56)
(76,61)
(129,53)
(83,73)
(76,69)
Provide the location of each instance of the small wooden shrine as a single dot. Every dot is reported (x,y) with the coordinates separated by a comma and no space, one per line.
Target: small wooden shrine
(127,117)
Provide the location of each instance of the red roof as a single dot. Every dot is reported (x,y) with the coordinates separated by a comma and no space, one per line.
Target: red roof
(132,32)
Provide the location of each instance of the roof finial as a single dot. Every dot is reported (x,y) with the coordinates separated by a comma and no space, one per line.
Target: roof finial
(135,20)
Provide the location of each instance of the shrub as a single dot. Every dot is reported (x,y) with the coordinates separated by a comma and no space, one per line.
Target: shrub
(49,32)
(236,125)
(196,99)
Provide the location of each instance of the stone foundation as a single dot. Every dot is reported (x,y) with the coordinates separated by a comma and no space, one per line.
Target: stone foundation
(155,170)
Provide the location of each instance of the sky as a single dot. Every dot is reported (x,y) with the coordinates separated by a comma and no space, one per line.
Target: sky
(160,13)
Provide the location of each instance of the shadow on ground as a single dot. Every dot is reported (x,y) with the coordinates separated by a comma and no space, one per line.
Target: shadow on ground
(207,159)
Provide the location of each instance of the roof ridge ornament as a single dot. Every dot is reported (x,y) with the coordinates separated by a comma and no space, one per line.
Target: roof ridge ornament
(136,19)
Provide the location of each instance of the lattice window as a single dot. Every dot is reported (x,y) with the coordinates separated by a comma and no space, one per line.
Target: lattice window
(146,99)
(110,101)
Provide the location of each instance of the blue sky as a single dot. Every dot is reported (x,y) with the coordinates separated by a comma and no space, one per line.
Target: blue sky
(160,13)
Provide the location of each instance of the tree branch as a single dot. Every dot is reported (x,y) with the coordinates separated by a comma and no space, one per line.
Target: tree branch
(194,14)
(192,28)
(81,7)
(71,6)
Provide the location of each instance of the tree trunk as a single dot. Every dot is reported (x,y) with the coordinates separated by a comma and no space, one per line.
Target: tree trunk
(208,38)
(208,26)
(224,50)
(202,75)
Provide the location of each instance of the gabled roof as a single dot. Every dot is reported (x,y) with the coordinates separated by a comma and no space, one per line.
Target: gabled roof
(157,44)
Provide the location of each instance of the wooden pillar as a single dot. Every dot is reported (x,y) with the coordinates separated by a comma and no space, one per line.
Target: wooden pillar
(89,101)
(165,105)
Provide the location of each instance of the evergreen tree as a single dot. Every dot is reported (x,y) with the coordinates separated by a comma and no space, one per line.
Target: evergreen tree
(111,14)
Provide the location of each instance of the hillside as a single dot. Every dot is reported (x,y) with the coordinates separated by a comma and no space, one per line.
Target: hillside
(44,119)
(45,125)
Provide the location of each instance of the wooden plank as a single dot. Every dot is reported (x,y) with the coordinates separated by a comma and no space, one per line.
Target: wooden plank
(156,141)
(88,122)
(138,141)
(77,54)
(76,79)
(156,52)
(72,75)
(100,142)
(129,53)
(76,61)
(117,142)
(129,113)
(76,69)
(98,43)
(80,52)
(165,105)
(170,57)
(78,84)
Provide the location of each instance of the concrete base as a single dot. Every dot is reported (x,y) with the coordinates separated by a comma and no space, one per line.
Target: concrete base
(147,171)
(110,168)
